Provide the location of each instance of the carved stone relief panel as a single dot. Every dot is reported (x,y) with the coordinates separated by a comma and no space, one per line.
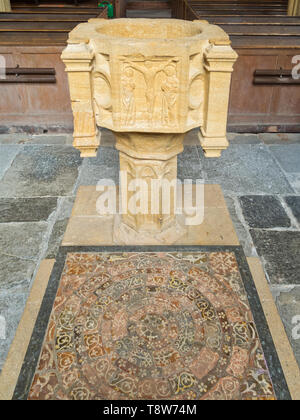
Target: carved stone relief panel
(149,91)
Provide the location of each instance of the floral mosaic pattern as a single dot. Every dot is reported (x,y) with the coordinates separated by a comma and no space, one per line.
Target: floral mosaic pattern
(151,326)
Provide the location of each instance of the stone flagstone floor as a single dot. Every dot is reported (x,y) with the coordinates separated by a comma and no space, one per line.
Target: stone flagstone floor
(39,176)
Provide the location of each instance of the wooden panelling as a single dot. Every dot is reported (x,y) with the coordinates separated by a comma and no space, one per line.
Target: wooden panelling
(265,39)
(147,5)
(120,8)
(261,42)
(286,101)
(271,106)
(263,107)
(123,5)
(263,104)
(257,98)
(35,39)
(35,104)
(48,29)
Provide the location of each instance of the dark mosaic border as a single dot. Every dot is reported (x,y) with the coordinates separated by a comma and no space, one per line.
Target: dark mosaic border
(33,352)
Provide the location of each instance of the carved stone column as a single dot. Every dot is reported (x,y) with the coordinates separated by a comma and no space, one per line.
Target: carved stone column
(219,59)
(5,6)
(149,159)
(78,59)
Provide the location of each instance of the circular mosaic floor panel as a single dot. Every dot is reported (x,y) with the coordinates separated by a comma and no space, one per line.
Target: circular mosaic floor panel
(151,326)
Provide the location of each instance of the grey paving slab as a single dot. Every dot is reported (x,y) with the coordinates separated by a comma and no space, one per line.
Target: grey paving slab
(246,169)
(23,240)
(235,138)
(288,156)
(7,155)
(189,165)
(15,271)
(288,305)
(294,181)
(280,251)
(107,138)
(294,204)
(16,138)
(241,231)
(279,138)
(104,166)
(42,171)
(264,211)
(49,139)
(26,209)
(191,138)
(25,139)
(59,226)
(11,309)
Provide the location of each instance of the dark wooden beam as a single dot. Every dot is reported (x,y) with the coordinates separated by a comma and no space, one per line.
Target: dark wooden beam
(148,5)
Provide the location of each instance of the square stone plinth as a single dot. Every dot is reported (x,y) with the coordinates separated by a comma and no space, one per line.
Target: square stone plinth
(86,227)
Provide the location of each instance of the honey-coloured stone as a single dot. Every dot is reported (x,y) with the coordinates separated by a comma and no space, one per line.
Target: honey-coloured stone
(5,6)
(148,75)
(149,81)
